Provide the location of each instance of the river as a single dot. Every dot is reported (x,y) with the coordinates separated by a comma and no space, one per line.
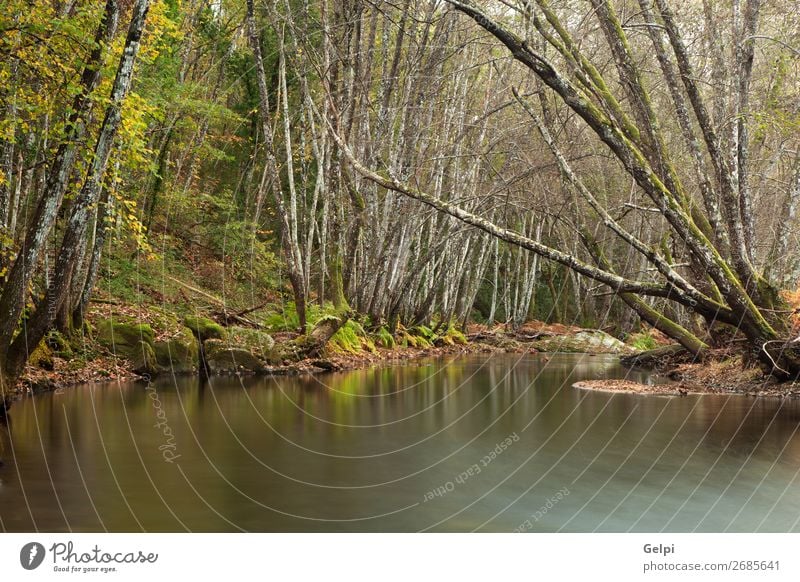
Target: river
(473,443)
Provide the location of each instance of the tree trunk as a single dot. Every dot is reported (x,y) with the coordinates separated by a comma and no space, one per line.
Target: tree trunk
(75,233)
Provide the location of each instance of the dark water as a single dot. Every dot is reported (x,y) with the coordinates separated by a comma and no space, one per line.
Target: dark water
(479,443)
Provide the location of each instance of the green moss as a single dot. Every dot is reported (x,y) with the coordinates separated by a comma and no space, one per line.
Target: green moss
(59,345)
(132,341)
(42,356)
(285,318)
(114,334)
(423,342)
(144,358)
(348,338)
(408,338)
(204,328)
(179,354)
(456,335)
(424,332)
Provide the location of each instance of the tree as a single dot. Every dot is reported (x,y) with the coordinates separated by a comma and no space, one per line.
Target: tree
(618,107)
(16,347)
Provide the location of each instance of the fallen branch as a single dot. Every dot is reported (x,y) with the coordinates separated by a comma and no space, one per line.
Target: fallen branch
(224,316)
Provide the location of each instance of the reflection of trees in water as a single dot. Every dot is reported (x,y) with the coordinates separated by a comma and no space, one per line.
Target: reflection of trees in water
(770,424)
(5,447)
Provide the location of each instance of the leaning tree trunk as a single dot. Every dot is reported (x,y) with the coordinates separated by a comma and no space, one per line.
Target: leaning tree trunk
(75,234)
(12,299)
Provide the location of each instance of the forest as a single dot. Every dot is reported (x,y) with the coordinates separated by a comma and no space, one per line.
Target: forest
(396,171)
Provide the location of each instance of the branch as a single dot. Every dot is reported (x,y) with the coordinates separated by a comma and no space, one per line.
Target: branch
(617,283)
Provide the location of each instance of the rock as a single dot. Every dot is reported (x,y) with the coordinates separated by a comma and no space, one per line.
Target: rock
(203,328)
(179,354)
(144,359)
(327,365)
(312,344)
(255,340)
(132,341)
(223,359)
(115,335)
(584,341)
(42,385)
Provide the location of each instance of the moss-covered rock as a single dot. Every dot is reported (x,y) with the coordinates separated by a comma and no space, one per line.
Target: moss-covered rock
(221,358)
(313,343)
(179,354)
(143,358)
(254,340)
(116,335)
(585,341)
(203,328)
(132,341)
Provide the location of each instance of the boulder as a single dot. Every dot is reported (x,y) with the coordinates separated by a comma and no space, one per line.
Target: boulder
(586,341)
(221,358)
(180,354)
(204,328)
(132,341)
(143,357)
(255,340)
(115,335)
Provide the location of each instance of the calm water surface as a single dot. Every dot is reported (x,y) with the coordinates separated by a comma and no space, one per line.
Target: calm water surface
(489,443)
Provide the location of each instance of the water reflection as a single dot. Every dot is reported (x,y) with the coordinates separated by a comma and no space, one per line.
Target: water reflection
(403,448)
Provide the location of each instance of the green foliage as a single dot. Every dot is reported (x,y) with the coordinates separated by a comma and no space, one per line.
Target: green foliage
(424,331)
(384,338)
(415,337)
(351,338)
(453,335)
(346,339)
(286,319)
(642,341)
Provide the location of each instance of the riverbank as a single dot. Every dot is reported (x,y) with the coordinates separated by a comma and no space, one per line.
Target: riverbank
(723,371)
(122,342)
